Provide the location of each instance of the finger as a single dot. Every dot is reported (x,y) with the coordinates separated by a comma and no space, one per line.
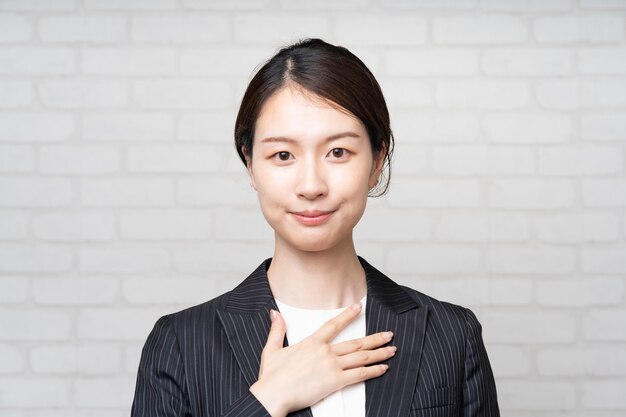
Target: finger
(362,343)
(354,375)
(366,357)
(276,334)
(329,330)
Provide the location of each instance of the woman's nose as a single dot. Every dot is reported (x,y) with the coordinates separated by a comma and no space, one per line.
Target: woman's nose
(311,181)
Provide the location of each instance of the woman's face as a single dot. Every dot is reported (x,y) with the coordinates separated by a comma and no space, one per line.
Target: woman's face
(307,158)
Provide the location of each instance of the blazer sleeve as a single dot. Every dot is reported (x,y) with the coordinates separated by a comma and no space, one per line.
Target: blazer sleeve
(161,389)
(479,387)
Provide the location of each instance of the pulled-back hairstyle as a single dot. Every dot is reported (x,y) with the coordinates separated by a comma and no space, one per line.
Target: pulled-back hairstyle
(330,72)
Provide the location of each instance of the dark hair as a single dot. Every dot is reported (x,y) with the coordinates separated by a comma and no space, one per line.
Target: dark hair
(328,71)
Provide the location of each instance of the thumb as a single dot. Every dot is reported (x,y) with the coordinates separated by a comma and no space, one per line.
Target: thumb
(276,335)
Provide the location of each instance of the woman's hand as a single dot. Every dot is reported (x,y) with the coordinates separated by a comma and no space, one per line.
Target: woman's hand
(295,377)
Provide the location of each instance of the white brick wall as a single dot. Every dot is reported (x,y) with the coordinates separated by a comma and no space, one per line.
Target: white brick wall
(122,197)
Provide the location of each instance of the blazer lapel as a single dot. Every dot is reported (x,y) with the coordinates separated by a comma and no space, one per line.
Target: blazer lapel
(246,322)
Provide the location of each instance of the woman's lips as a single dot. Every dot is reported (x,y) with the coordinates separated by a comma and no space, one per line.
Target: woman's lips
(312,219)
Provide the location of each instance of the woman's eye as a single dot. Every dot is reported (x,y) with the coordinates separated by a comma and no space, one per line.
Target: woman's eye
(282,155)
(339,152)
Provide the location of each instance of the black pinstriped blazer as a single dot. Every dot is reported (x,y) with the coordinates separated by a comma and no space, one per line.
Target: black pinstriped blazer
(201,361)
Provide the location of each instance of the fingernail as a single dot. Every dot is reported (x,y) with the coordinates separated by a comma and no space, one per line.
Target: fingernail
(272,314)
(391,349)
(388,335)
(356,307)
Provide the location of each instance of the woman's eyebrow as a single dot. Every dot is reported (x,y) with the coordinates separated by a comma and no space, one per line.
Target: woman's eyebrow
(328,139)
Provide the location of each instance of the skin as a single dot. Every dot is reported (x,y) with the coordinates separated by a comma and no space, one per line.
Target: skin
(308,172)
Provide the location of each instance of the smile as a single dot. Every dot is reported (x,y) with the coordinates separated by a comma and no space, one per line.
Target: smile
(312,220)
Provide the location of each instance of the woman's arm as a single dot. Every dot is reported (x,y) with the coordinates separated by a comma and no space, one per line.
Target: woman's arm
(479,387)
(161,390)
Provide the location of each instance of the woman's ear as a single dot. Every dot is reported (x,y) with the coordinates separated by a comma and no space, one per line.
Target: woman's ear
(249,167)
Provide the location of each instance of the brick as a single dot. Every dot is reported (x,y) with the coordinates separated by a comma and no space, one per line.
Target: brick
(463,291)
(480,28)
(525,6)
(39,5)
(279,28)
(88,392)
(35,325)
(482,94)
(397,97)
(36,127)
(430,62)
(583,28)
(381,224)
(469,227)
(580,161)
(242,224)
(544,260)
(528,128)
(14,225)
(434,259)
(66,359)
(433,127)
(509,361)
(180,94)
(577,228)
(602,4)
(35,192)
(221,257)
(132,357)
(123,258)
(184,28)
(604,259)
(231,191)
(11,359)
(127,192)
(96,29)
(177,158)
(14,290)
(609,126)
(604,395)
(74,227)
(604,192)
(580,361)
(530,327)
(607,60)
(434,193)
(409,29)
(472,160)
(74,291)
(225,4)
(323,5)
(15,93)
(213,127)
(116,324)
(505,227)
(76,94)
(129,60)
(510,291)
(169,290)
(580,292)
(221,61)
(128,126)
(540,396)
(149,5)
(604,325)
(410,159)
(530,194)
(527,62)
(79,160)
(32,60)
(428,4)
(16,159)
(24,257)
(33,393)
(581,94)
(166,224)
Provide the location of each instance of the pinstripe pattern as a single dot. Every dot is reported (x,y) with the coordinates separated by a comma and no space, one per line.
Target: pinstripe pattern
(201,361)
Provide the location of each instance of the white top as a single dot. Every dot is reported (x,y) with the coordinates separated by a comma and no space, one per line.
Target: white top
(301,323)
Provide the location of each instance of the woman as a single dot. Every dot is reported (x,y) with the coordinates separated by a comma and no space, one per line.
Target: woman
(313,131)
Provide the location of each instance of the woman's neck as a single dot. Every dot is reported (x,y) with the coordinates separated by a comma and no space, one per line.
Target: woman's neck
(328,279)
